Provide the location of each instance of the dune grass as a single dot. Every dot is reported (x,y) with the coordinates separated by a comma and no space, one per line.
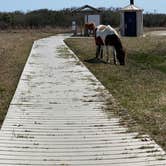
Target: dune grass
(140,86)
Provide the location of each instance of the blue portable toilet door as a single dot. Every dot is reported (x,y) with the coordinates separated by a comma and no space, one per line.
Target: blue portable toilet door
(130,24)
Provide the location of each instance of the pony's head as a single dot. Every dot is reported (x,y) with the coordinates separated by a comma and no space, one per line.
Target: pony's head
(121,54)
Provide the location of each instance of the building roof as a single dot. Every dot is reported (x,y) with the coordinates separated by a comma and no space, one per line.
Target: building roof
(131,8)
(86,8)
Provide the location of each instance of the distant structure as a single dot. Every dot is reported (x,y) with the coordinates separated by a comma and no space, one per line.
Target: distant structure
(131,23)
(90,14)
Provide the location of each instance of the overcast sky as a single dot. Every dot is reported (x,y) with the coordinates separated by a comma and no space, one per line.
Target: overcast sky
(158,6)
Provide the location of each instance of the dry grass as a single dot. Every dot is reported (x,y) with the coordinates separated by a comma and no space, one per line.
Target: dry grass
(147,29)
(140,86)
(15,46)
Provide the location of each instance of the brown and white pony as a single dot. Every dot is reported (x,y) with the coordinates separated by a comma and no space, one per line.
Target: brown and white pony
(89,29)
(107,36)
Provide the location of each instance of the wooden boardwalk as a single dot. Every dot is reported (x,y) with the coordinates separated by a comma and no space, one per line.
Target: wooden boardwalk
(56,117)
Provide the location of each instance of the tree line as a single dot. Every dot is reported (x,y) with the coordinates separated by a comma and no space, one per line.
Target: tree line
(63,18)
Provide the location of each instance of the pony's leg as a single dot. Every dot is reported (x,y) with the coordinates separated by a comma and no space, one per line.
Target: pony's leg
(98,49)
(101,52)
(114,55)
(107,54)
(111,49)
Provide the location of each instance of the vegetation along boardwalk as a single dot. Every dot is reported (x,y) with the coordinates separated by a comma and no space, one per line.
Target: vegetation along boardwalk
(57,117)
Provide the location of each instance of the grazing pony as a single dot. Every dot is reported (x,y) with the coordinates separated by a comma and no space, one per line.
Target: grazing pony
(89,29)
(107,36)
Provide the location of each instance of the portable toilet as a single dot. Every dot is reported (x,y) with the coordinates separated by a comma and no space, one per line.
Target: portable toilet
(131,20)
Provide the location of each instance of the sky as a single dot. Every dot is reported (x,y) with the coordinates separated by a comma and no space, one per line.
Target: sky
(157,6)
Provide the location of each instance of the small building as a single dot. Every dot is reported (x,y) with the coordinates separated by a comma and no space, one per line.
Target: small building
(90,15)
(131,23)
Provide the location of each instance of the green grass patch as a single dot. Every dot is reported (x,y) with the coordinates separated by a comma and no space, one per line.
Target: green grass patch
(148,59)
(154,61)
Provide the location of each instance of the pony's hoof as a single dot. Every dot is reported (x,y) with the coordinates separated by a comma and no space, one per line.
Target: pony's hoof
(123,64)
